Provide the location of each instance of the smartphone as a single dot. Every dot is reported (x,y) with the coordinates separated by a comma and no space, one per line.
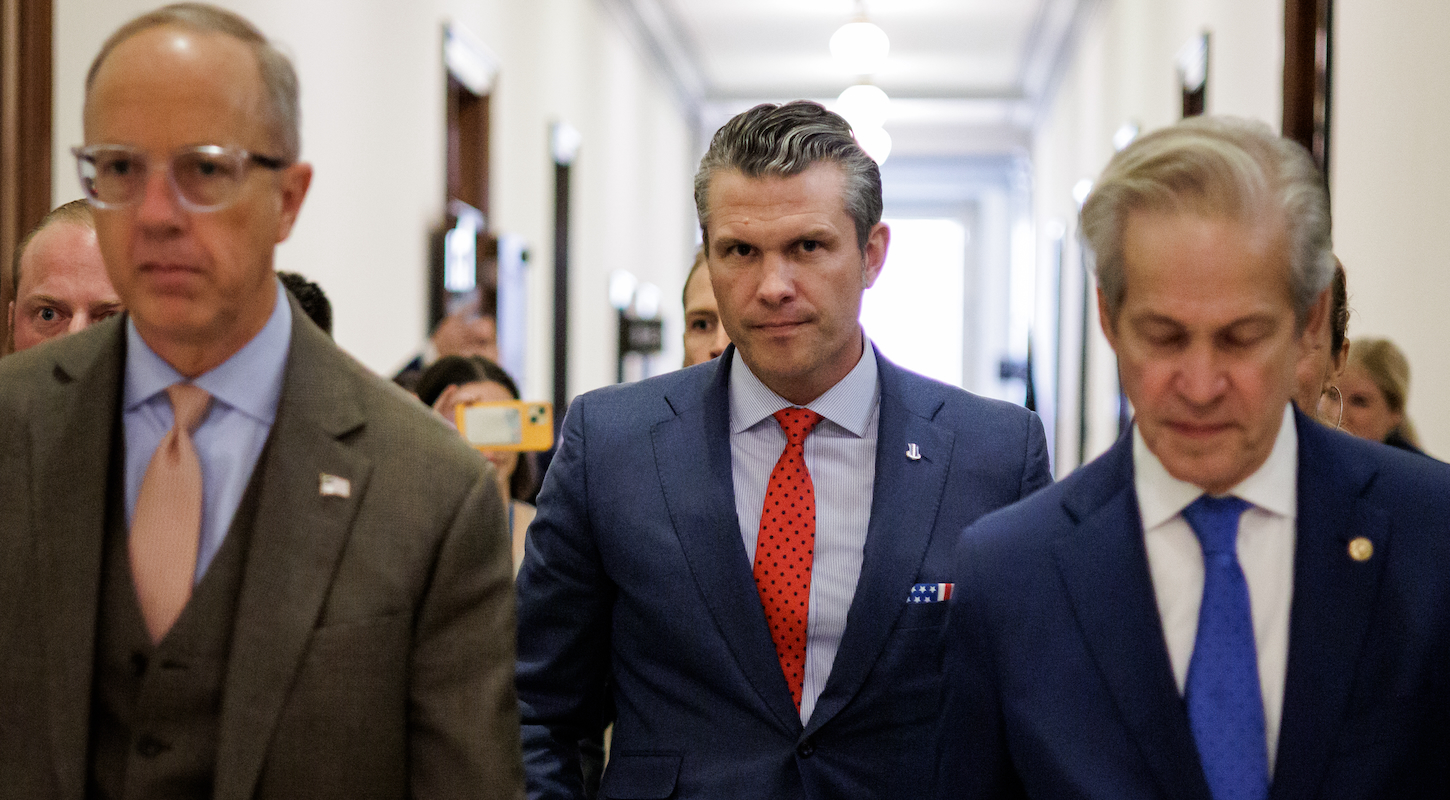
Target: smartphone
(507,425)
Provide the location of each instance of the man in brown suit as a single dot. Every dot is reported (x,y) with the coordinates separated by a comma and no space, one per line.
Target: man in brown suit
(343,625)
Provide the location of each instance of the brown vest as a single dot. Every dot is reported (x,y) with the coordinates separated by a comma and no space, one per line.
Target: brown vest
(155,708)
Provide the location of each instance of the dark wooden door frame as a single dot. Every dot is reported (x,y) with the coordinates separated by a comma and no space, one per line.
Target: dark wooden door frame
(25,131)
(1308,85)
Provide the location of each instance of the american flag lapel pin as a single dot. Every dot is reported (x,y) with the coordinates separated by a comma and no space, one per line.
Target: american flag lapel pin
(930,593)
(334,486)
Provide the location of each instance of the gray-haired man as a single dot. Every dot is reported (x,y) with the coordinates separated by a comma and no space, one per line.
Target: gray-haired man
(759,610)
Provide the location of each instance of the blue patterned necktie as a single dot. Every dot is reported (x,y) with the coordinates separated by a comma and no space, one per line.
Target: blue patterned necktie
(1225,704)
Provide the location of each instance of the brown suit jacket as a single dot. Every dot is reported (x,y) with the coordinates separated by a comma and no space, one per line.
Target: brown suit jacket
(373,647)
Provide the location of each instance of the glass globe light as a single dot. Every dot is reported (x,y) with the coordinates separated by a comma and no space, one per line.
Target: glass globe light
(863,105)
(860,47)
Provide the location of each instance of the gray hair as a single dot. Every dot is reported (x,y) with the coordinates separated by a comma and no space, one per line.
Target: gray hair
(1223,167)
(786,140)
(76,212)
(279,80)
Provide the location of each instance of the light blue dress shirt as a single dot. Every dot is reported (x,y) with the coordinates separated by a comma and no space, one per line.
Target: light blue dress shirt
(841,456)
(245,390)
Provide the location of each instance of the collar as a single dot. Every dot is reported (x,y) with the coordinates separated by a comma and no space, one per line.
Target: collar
(849,404)
(1272,487)
(250,381)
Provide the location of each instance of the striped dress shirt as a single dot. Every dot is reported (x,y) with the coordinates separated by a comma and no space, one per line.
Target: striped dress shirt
(841,456)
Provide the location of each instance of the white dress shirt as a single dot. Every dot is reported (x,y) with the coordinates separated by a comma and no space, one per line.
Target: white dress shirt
(1265,551)
(841,457)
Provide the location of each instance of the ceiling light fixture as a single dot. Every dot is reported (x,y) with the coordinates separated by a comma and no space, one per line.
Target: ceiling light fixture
(860,47)
(863,105)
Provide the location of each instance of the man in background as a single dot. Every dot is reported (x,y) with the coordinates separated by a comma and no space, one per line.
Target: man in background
(742,564)
(60,281)
(233,562)
(310,297)
(705,337)
(465,332)
(1234,602)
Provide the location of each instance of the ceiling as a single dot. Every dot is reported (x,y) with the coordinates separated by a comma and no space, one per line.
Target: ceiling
(966,77)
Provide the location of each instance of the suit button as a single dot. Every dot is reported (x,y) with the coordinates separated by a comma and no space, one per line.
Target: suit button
(150,747)
(805,749)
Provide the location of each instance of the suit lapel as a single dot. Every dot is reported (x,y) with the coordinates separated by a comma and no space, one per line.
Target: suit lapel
(296,542)
(905,500)
(1104,566)
(692,455)
(78,416)
(1333,600)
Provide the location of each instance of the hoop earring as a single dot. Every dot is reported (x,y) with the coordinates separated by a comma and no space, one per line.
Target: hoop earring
(1339,396)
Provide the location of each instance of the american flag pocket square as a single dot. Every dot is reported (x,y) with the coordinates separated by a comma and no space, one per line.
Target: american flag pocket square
(931,593)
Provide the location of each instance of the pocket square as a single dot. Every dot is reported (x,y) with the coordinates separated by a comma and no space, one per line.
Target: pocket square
(931,593)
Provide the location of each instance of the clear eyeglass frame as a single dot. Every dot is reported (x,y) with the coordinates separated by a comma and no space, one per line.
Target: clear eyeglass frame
(204,178)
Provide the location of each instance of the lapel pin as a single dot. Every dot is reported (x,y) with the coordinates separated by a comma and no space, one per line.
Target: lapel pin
(912,452)
(334,486)
(1360,548)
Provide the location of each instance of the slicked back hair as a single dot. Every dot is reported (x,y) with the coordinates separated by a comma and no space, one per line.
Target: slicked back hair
(76,212)
(786,140)
(279,80)
(1218,167)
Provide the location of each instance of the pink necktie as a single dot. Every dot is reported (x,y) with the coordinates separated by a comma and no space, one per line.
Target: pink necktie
(166,526)
(786,546)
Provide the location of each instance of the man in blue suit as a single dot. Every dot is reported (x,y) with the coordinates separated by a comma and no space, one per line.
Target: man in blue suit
(741,564)
(1234,601)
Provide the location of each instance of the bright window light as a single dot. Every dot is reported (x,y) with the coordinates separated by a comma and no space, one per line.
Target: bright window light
(914,312)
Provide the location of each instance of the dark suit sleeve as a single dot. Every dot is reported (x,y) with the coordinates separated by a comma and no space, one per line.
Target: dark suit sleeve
(565,601)
(463,715)
(1036,470)
(972,758)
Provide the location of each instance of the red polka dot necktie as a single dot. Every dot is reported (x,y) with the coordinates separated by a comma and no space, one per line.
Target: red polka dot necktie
(786,547)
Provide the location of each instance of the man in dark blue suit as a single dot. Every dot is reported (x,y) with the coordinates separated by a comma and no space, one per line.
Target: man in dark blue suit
(742,563)
(1234,601)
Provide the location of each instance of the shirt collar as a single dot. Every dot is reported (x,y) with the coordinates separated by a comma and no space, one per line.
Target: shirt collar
(1272,487)
(849,404)
(250,381)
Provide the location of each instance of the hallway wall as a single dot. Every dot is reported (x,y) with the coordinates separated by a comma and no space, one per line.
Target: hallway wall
(373,126)
(1390,176)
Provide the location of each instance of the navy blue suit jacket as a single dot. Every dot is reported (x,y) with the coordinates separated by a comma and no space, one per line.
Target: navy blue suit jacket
(636,597)
(1058,682)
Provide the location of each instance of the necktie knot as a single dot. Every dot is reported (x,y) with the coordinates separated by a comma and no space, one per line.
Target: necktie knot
(189,404)
(1215,520)
(797,423)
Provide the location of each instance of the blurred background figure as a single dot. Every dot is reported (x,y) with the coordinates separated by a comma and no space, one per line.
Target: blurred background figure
(1317,373)
(705,337)
(310,296)
(60,279)
(465,332)
(1376,383)
(453,381)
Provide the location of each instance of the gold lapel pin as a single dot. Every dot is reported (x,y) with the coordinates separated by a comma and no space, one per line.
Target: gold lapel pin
(1360,548)
(334,486)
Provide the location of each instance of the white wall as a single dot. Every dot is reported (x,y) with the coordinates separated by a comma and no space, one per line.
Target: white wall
(373,117)
(1390,176)
(1124,70)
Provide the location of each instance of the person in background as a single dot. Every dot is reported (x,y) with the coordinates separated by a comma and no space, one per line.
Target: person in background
(705,337)
(1376,386)
(310,296)
(453,381)
(1316,392)
(60,281)
(466,332)
(1234,602)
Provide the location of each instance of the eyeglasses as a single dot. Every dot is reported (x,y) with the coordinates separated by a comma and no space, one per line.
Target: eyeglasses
(205,178)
